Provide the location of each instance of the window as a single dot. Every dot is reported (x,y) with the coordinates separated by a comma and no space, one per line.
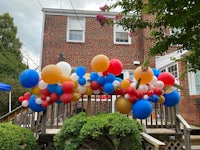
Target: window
(194,83)
(75,29)
(121,36)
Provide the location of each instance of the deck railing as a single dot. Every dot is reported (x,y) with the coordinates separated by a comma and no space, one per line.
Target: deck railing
(162,118)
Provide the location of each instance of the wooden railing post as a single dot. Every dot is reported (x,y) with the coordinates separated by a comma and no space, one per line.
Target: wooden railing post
(44,117)
(89,106)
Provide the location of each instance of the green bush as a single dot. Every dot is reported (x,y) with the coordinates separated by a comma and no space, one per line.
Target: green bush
(112,131)
(13,137)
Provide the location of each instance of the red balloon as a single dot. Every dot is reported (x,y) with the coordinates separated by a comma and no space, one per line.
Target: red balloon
(21,98)
(139,94)
(54,97)
(43,97)
(66,97)
(27,95)
(45,92)
(158,91)
(45,104)
(150,92)
(115,67)
(131,91)
(67,87)
(94,85)
(133,98)
(167,78)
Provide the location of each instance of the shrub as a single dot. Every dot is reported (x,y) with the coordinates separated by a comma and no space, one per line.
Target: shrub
(13,137)
(112,131)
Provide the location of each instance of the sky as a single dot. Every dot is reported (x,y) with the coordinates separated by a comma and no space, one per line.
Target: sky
(28,18)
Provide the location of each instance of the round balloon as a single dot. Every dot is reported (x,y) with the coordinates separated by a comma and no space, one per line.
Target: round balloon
(29,78)
(142,109)
(171,99)
(123,105)
(34,106)
(145,75)
(108,88)
(100,63)
(124,84)
(115,67)
(94,76)
(80,71)
(65,67)
(67,87)
(167,78)
(51,74)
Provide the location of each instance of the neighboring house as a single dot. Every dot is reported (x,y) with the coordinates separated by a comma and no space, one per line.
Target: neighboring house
(76,37)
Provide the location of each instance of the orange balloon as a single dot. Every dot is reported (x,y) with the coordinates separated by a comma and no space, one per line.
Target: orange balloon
(124,84)
(64,78)
(100,63)
(51,74)
(144,75)
(123,105)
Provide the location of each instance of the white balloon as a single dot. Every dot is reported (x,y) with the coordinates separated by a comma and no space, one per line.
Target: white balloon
(133,84)
(116,83)
(25,103)
(96,91)
(154,80)
(38,101)
(143,87)
(42,84)
(145,96)
(48,98)
(65,67)
(81,89)
(74,76)
(126,96)
(159,84)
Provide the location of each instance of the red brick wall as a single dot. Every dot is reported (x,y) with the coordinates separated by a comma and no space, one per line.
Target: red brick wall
(98,40)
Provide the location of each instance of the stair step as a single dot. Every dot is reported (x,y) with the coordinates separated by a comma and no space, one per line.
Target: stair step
(194,147)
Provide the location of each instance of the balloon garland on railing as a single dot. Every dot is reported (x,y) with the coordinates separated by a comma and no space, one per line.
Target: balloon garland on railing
(57,84)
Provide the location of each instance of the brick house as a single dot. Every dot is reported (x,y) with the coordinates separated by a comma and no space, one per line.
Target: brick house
(76,37)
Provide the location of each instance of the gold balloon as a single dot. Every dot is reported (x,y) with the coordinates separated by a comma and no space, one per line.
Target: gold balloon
(88,91)
(35,90)
(123,105)
(76,96)
(161,99)
(64,78)
(168,89)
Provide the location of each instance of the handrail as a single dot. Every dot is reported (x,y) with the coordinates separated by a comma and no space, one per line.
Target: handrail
(14,112)
(158,145)
(187,129)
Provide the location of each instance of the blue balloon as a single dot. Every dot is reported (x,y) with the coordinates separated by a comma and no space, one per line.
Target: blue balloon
(52,88)
(110,77)
(59,102)
(154,98)
(80,71)
(82,81)
(94,76)
(29,78)
(118,79)
(171,99)
(108,88)
(101,80)
(59,90)
(34,106)
(156,72)
(142,109)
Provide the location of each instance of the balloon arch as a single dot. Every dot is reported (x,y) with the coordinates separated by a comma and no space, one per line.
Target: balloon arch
(57,84)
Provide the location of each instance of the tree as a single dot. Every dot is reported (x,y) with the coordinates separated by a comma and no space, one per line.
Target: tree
(11,61)
(183,15)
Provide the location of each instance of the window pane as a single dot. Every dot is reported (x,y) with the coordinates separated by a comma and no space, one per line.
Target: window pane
(122,37)
(197,81)
(76,35)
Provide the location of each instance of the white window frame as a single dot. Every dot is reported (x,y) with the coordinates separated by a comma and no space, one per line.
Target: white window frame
(118,28)
(192,84)
(75,24)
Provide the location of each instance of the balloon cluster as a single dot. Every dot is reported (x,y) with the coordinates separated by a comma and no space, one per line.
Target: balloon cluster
(57,84)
